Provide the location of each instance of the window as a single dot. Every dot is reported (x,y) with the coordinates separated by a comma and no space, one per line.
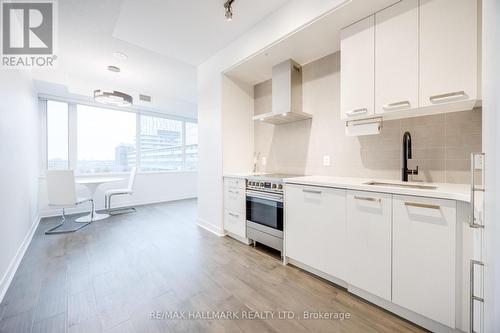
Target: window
(106,140)
(57,135)
(160,144)
(191,145)
(92,139)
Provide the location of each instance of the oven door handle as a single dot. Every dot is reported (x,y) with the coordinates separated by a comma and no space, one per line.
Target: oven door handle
(265,196)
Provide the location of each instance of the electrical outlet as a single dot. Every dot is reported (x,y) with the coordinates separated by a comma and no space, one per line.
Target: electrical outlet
(264,161)
(326,160)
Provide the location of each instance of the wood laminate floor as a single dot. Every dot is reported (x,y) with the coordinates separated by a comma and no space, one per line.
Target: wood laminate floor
(114,274)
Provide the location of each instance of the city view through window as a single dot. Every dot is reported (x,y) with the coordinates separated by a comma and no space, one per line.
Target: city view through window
(107,140)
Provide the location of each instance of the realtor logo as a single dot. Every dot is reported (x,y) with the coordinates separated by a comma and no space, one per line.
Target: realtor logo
(28,30)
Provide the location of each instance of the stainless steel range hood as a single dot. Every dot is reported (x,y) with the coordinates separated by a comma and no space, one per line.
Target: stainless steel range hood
(286,95)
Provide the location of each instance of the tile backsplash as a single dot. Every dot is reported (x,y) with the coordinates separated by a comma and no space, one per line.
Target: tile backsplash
(441,143)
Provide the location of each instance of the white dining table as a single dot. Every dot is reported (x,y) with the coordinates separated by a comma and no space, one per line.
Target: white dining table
(92,183)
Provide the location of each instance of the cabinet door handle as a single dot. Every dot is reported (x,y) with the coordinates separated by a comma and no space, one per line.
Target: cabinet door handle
(445,97)
(355,112)
(473,298)
(473,190)
(234,215)
(422,205)
(397,105)
(234,192)
(367,198)
(311,191)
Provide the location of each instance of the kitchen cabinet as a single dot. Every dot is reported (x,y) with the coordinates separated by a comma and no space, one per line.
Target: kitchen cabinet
(357,69)
(448,52)
(424,232)
(369,230)
(234,207)
(315,228)
(396,57)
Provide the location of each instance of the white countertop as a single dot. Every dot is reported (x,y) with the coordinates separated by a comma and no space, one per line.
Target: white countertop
(242,175)
(459,192)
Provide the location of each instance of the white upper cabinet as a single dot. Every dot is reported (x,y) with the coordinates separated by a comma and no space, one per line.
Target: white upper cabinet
(396,57)
(357,73)
(448,51)
(369,231)
(424,256)
(315,228)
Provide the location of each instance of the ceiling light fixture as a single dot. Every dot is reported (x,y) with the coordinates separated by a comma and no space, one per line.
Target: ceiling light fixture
(114,69)
(229,10)
(115,98)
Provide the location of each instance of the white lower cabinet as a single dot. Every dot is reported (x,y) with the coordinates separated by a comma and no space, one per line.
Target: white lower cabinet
(423,280)
(400,249)
(234,207)
(369,217)
(235,223)
(315,228)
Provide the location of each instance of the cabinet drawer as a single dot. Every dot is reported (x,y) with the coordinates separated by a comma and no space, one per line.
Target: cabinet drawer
(235,223)
(239,183)
(234,199)
(369,231)
(424,256)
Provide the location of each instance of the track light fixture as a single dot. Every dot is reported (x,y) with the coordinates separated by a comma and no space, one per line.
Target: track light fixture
(229,10)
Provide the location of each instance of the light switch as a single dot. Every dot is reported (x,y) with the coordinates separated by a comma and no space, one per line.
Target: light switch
(326,160)
(264,160)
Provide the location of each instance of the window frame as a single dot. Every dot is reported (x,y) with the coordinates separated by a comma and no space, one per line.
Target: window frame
(73,134)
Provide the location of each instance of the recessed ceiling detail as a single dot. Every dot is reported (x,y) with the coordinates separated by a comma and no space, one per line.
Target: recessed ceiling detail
(120,55)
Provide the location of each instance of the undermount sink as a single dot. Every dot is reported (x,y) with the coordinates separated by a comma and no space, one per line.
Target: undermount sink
(421,187)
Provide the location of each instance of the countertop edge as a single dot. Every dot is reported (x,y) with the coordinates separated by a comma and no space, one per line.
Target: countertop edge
(372,188)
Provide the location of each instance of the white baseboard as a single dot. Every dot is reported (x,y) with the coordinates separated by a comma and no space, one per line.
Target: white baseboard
(14,264)
(210,227)
(244,240)
(81,209)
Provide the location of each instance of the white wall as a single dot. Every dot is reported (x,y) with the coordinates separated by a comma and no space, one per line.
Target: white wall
(276,26)
(18,169)
(491,144)
(149,188)
(237,125)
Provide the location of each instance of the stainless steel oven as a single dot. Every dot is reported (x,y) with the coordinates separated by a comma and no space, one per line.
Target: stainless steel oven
(264,210)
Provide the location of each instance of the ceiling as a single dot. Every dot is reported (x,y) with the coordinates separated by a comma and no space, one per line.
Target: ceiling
(316,40)
(188,30)
(163,39)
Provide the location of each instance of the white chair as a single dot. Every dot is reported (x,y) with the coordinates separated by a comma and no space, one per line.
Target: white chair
(121,191)
(61,191)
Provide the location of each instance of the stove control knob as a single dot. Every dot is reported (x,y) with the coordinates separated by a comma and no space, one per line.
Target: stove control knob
(274,185)
(280,187)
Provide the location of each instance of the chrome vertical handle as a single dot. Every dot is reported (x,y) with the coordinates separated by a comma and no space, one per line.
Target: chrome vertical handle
(473,298)
(474,189)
